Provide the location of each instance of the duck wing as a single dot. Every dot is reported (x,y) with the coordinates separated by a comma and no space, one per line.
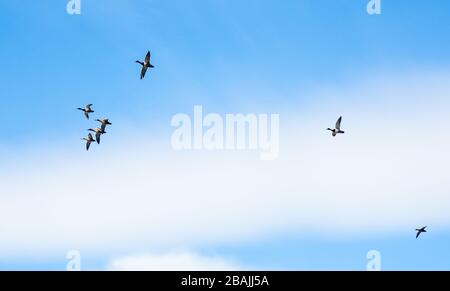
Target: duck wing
(338,123)
(143,71)
(97,137)
(89,139)
(147,58)
(88,144)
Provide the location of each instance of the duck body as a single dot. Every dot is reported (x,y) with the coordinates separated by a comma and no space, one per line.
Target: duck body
(104,122)
(420,231)
(98,133)
(89,139)
(145,64)
(337,130)
(87,110)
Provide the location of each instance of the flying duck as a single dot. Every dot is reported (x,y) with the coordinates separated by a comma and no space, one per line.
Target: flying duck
(145,65)
(420,230)
(88,140)
(98,133)
(104,123)
(337,130)
(87,109)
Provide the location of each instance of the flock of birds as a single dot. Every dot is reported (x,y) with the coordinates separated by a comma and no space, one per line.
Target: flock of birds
(147,65)
(337,130)
(105,122)
(99,131)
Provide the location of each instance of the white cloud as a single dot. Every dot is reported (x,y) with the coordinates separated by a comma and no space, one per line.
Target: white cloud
(387,174)
(175,261)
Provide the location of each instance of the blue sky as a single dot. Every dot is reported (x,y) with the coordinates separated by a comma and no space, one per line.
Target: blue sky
(229,56)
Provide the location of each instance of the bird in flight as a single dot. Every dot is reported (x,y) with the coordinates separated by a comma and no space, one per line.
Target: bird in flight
(87,109)
(420,230)
(89,139)
(98,133)
(104,123)
(337,130)
(145,65)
